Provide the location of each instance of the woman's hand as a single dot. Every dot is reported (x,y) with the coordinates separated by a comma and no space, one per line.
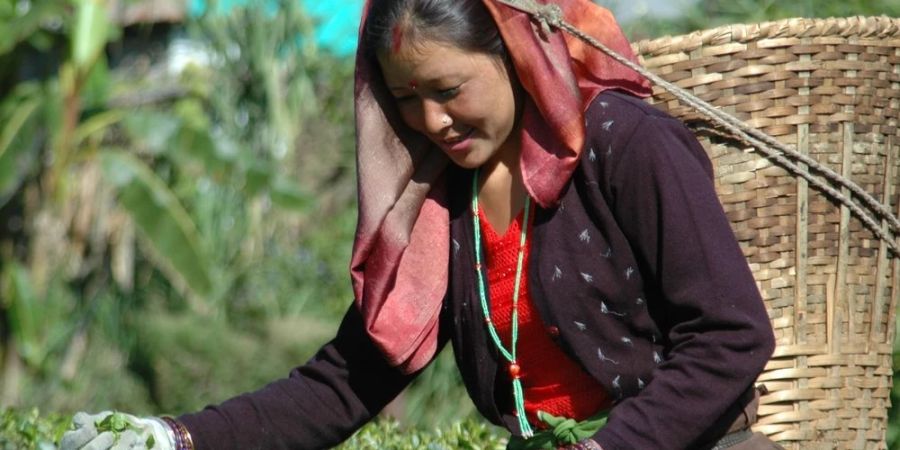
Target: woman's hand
(117,431)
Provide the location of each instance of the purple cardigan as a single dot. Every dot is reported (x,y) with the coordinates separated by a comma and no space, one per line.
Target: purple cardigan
(636,274)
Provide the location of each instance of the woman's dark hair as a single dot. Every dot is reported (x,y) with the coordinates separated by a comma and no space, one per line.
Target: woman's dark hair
(466,24)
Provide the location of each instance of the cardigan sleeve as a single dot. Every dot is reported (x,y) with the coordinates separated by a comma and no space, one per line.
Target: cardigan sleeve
(319,405)
(715,322)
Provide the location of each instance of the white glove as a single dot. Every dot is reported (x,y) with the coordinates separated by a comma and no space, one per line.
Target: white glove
(117,431)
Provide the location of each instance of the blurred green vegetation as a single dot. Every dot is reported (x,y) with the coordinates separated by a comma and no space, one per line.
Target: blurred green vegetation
(29,430)
(177,212)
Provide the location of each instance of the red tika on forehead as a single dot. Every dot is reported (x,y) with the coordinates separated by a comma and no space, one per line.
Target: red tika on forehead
(396,38)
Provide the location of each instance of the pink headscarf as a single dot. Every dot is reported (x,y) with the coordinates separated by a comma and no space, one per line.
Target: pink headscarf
(399,266)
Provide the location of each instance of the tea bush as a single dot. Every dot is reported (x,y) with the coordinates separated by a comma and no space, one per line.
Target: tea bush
(29,430)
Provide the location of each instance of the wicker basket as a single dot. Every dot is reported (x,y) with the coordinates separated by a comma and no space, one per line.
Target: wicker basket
(831,90)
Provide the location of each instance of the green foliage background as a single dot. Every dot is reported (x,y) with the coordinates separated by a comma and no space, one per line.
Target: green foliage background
(171,238)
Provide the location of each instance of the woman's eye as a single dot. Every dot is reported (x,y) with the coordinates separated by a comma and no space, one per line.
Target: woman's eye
(447,94)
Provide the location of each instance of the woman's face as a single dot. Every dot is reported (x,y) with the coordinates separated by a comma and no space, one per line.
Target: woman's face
(462,101)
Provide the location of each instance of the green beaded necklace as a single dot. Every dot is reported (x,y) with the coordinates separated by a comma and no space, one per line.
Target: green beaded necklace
(510,355)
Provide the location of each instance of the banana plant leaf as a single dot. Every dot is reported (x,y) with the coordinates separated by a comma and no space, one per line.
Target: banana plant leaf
(16,27)
(165,223)
(89,34)
(22,305)
(98,124)
(14,155)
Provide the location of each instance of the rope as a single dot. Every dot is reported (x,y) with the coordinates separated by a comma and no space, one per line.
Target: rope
(551,16)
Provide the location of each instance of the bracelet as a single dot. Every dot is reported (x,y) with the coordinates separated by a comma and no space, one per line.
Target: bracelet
(182,436)
(170,432)
(587,444)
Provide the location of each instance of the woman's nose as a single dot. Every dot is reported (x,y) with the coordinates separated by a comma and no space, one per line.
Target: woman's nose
(435,117)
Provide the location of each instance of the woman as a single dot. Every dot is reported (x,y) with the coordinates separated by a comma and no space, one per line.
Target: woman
(518,200)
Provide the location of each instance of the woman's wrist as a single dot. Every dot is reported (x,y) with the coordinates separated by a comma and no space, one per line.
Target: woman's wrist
(169,432)
(180,433)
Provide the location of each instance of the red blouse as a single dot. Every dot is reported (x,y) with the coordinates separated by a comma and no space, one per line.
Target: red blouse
(552,382)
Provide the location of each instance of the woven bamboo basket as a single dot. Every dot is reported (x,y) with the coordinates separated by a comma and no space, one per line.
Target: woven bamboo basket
(830,89)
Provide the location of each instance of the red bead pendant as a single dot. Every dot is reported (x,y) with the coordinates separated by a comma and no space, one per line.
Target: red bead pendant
(514,371)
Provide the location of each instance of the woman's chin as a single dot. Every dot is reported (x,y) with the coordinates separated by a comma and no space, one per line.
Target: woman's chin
(467,162)
(473,157)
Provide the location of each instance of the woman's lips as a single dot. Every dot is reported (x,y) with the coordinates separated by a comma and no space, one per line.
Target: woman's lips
(458,144)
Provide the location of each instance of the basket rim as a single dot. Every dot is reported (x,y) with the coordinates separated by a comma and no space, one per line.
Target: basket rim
(865,27)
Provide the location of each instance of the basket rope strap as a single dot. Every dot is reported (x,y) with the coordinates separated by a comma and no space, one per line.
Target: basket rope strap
(550,16)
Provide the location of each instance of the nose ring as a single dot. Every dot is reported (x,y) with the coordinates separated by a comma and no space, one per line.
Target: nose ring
(446,120)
